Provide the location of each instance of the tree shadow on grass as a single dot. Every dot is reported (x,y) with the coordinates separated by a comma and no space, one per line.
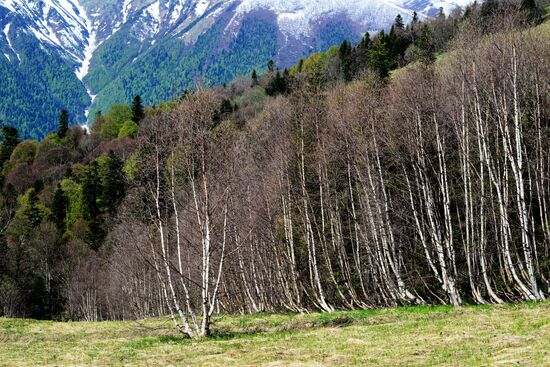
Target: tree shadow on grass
(281,330)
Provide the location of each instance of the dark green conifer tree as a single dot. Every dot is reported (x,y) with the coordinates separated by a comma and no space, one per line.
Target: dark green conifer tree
(365,41)
(95,234)
(10,195)
(38,185)
(91,189)
(63,124)
(489,7)
(391,42)
(399,39)
(33,212)
(532,10)
(114,183)
(398,23)
(59,207)
(345,59)
(226,108)
(279,84)
(254,78)
(138,112)
(10,140)
(426,44)
(380,59)
(300,65)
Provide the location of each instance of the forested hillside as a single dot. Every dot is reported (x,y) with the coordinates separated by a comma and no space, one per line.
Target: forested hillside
(35,85)
(410,168)
(86,55)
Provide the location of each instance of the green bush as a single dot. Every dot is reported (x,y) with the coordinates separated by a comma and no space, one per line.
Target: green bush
(128,130)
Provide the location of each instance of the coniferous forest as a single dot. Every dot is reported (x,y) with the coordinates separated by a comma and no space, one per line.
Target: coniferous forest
(411,168)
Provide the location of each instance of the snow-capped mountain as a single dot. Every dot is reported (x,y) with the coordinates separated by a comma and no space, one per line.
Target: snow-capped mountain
(104,47)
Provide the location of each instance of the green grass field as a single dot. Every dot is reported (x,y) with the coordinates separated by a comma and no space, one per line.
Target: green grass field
(510,335)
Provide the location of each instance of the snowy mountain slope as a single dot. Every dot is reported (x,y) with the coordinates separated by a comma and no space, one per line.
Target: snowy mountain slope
(78,27)
(57,23)
(110,44)
(296,17)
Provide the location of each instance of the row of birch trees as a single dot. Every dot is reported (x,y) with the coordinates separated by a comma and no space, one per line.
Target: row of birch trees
(431,188)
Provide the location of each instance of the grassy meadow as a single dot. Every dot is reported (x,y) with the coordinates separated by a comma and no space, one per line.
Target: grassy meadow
(509,335)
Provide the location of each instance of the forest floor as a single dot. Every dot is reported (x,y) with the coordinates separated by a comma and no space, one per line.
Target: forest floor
(509,335)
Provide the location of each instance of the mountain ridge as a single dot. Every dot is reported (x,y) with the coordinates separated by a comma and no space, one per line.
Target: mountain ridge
(111,45)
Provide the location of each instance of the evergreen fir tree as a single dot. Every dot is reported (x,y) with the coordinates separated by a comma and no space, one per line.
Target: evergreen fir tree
(138,112)
(95,234)
(345,58)
(226,108)
(528,5)
(114,183)
(38,185)
(380,59)
(59,208)
(531,9)
(469,10)
(398,23)
(254,78)
(489,7)
(91,189)
(415,18)
(33,212)
(68,172)
(97,115)
(271,66)
(365,41)
(426,44)
(10,195)
(300,65)
(391,42)
(63,124)
(279,84)
(11,139)
(399,39)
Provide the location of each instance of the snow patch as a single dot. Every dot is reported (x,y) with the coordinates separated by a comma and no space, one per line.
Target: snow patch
(91,44)
(448,6)
(296,18)
(176,12)
(294,23)
(9,4)
(201,7)
(7,34)
(149,27)
(54,22)
(126,10)
(93,97)
(154,11)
